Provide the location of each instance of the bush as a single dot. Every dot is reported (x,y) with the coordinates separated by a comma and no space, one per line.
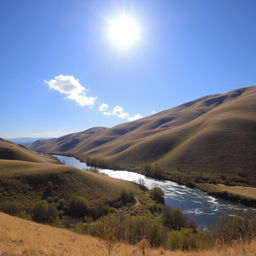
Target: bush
(187,239)
(131,229)
(78,207)
(49,189)
(24,215)
(127,196)
(153,171)
(145,227)
(12,208)
(44,212)
(239,226)
(99,211)
(157,195)
(175,219)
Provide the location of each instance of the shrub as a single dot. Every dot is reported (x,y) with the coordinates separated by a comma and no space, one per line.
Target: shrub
(39,211)
(12,208)
(157,195)
(44,212)
(153,171)
(24,215)
(127,196)
(99,211)
(78,207)
(239,226)
(131,229)
(49,189)
(145,227)
(175,219)
(187,239)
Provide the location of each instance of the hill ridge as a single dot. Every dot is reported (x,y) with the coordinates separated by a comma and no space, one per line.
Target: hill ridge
(202,136)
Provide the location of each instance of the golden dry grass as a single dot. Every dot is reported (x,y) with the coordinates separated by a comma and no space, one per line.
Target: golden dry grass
(248,192)
(19,237)
(12,151)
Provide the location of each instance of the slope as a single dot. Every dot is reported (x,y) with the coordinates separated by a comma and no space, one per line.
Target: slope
(12,151)
(49,241)
(211,137)
(25,181)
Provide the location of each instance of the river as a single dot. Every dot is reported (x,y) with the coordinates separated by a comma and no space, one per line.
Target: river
(196,204)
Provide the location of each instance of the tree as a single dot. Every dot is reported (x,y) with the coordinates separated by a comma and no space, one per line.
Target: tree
(175,219)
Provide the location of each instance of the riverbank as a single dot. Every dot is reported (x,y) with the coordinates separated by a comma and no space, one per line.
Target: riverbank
(244,195)
(241,194)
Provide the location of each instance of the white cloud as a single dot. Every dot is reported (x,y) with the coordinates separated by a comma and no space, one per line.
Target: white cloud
(107,113)
(103,107)
(119,112)
(71,86)
(135,117)
(153,112)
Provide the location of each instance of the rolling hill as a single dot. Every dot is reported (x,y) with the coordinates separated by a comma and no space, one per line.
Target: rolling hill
(24,176)
(213,137)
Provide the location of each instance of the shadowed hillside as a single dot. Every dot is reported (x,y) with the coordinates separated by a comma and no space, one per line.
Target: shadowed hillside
(211,137)
(24,176)
(12,151)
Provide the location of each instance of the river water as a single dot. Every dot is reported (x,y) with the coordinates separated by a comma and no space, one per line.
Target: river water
(196,204)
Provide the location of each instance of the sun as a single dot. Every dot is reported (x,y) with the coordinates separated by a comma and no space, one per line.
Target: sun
(124,31)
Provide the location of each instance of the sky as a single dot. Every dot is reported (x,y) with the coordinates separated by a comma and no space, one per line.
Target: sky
(61,73)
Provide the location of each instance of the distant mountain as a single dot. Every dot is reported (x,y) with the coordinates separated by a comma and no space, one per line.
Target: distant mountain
(26,140)
(210,137)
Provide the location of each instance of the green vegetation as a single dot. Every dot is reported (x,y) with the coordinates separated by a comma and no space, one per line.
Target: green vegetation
(131,229)
(239,226)
(44,212)
(127,196)
(157,195)
(174,219)
(78,207)
(187,239)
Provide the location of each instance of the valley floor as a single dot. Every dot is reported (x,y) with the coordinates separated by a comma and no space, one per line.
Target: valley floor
(20,237)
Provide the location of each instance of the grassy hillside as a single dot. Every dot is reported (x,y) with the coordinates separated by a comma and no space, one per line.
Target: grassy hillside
(35,177)
(48,241)
(26,182)
(12,151)
(211,138)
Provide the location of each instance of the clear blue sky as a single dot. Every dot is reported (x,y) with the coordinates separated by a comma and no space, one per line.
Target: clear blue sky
(188,49)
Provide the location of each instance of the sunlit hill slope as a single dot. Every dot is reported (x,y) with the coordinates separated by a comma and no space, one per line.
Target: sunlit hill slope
(48,241)
(212,136)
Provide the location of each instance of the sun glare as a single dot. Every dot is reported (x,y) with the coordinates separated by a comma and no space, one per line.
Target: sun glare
(124,31)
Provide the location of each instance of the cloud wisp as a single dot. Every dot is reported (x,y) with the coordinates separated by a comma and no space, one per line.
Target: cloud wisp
(71,86)
(119,112)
